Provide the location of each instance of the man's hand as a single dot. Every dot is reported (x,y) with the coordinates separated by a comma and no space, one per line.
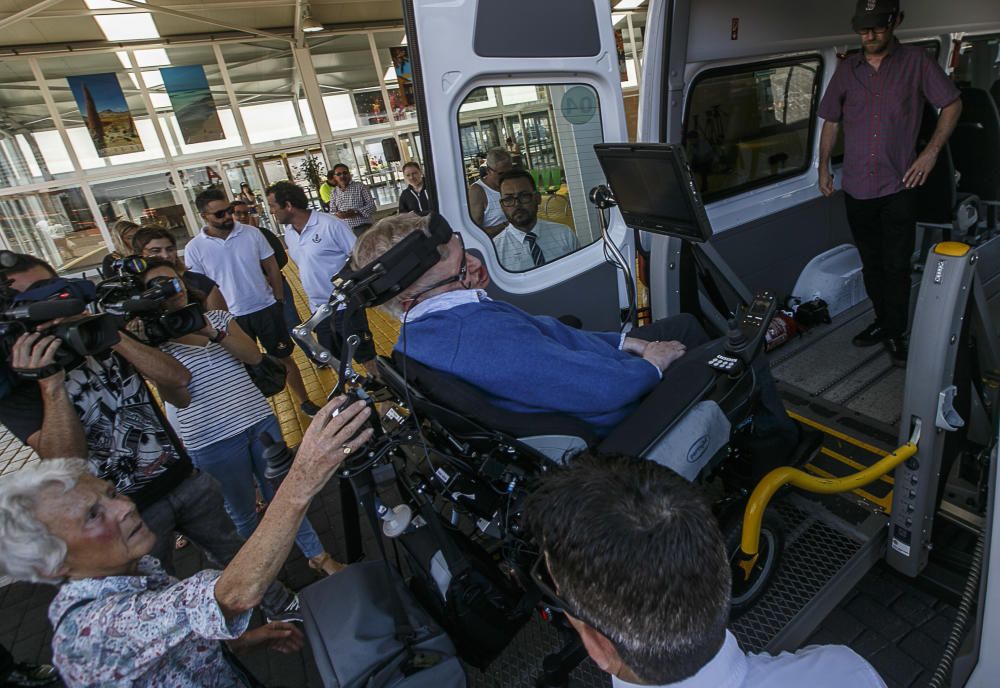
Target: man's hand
(662,354)
(32,353)
(825,181)
(634,346)
(920,169)
(344,214)
(327,442)
(278,636)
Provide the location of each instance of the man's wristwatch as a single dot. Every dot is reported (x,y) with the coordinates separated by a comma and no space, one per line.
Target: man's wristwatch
(220,334)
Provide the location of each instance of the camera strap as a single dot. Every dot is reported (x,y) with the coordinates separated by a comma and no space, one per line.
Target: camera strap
(38,373)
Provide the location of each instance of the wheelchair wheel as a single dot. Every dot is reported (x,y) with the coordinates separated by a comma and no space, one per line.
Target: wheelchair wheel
(749,586)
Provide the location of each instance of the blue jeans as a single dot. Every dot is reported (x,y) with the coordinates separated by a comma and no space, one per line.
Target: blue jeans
(235,462)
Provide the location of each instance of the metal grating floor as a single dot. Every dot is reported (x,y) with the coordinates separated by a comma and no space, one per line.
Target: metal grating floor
(814,552)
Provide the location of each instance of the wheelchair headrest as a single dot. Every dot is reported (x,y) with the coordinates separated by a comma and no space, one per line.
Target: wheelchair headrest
(468,409)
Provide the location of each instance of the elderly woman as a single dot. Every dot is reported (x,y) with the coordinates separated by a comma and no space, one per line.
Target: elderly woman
(118,619)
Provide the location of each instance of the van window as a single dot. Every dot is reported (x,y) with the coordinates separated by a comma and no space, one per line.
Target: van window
(979,65)
(529,162)
(749,126)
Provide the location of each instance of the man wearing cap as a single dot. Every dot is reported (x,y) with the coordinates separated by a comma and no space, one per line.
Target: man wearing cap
(878,94)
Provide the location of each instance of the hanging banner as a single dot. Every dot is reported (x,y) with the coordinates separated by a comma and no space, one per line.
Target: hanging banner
(106,114)
(194,107)
(404,77)
(371,108)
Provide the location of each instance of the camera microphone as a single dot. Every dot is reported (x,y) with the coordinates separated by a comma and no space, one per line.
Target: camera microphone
(40,311)
(138,305)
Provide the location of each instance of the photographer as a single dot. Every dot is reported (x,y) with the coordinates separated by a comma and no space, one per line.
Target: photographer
(156,242)
(102,409)
(222,426)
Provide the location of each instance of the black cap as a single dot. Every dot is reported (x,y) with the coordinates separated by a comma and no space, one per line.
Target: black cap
(874,14)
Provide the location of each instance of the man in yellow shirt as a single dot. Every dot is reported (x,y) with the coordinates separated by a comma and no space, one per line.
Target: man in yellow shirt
(326,188)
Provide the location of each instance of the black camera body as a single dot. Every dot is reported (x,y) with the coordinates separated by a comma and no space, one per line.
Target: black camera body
(125,296)
(47,300)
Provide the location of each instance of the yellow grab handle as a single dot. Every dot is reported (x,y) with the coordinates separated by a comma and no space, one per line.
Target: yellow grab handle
(762,494)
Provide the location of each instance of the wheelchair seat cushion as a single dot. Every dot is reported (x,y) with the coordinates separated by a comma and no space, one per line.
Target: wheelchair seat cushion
(466,401)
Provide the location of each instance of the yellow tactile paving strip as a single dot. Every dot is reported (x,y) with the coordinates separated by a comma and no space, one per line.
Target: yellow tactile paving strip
(319,382)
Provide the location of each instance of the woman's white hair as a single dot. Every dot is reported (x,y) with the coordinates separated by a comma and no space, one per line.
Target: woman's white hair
(28,551)
(384,235)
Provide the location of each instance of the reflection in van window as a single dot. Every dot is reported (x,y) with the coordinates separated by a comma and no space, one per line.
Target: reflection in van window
(979,64)
(743,129)
(528,156)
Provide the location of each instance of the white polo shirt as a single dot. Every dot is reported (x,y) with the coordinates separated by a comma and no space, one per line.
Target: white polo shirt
(816,666)
(320,251)
(234,264)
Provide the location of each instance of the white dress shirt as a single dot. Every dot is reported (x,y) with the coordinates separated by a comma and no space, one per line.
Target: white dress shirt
(555,240)
(816,666)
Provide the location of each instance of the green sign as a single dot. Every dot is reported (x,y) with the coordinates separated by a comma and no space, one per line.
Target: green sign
(579,104)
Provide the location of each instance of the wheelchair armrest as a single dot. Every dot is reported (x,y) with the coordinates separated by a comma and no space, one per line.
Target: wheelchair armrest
(685,383)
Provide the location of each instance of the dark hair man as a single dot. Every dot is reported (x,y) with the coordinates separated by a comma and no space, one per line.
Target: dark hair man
(414,198)
(320,245)
(326,188)
(351,201)
(233,254)
(635,555)
(528,242)
(484,194)
(103,410)
(878,96)
(156,242)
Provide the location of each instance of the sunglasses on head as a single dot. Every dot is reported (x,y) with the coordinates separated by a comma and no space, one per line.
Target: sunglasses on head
(219,214)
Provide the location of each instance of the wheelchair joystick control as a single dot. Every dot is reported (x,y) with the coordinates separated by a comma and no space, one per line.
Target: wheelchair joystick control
(394,521)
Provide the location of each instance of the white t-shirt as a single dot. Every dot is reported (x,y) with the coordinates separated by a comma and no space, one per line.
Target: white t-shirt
(224,400)
(493,215)
(234,264)
(320,251)
(816,666)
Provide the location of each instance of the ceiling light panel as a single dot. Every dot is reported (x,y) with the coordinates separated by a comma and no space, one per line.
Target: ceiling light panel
(127,27)
(108,5)
(629,5)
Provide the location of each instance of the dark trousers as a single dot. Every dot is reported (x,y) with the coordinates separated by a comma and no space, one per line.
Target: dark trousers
(6,663)
(331,335)
(884,230)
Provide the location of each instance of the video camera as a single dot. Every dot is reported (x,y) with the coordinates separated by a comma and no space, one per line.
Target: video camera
(125,296)
(47,300)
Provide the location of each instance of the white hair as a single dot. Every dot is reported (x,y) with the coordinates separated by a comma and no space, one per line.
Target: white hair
(381,237)
(28,551)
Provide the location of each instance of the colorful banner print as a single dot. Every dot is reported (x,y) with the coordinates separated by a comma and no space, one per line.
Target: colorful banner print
(371,107)
(404,77)
(194,107)
(106,114)
(622,62)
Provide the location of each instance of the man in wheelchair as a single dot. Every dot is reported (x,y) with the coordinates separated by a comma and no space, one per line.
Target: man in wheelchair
(533,365)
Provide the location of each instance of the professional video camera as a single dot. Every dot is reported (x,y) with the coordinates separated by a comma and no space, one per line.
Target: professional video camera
(48,300)
(124,295)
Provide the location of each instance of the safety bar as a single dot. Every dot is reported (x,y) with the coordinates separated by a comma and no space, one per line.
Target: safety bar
(779,477)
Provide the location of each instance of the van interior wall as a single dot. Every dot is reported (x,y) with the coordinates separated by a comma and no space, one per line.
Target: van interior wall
(769,253)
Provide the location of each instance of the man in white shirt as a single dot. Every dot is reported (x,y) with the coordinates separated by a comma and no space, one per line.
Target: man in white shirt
(484,194)
(234,255)
(528,242)
(634,556)
(320,244)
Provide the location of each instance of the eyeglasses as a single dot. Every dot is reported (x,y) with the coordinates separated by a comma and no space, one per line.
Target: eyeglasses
(341,174)
(543,579)
(523,198)
(219,214)
(878,30)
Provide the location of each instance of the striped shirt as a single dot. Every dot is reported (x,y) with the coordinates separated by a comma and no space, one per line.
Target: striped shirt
(224,400)
(881,111)
(355,197)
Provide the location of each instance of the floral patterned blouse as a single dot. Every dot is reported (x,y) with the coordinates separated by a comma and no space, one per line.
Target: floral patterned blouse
(144,630)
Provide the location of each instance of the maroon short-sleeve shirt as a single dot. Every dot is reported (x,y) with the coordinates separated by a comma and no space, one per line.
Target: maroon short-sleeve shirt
(880,113)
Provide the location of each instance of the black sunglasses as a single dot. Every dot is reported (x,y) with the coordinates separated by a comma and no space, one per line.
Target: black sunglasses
(543,579)
(219,214)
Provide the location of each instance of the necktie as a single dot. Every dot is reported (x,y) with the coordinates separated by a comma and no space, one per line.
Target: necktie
(536,250)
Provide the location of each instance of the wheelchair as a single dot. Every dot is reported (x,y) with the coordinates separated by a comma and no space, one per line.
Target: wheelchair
(460,467)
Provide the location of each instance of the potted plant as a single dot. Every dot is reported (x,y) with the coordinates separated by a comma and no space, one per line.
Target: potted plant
(311,171)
